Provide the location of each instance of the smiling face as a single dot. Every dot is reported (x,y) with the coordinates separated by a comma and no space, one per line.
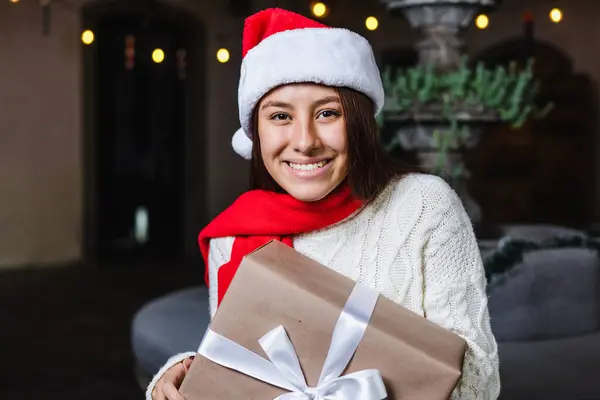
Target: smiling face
(303,141)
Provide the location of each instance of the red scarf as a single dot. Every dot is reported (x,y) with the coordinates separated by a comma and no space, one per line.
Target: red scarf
(259,216)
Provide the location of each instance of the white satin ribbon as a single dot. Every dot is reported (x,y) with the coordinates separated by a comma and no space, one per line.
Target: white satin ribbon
(283,370)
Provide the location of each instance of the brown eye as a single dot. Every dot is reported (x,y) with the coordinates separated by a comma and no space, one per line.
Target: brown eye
(329,114)
(280,117)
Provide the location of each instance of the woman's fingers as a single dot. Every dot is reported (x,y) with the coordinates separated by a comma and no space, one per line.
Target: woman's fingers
(171,392)
(157,393)
(167,387)
(187,363)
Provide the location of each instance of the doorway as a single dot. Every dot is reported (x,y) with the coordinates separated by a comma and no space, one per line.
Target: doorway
(142,186)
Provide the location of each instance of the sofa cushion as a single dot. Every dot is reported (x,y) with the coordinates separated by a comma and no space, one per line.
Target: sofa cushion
(539,232)
(560,369)
(172,324)
(551,293)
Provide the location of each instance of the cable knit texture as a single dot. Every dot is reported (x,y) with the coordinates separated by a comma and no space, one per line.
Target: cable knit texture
(415,245)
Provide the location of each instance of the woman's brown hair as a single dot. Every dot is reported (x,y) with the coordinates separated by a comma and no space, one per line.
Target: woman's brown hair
(371,168)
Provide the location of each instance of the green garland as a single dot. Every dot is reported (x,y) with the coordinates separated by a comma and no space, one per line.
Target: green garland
(511,251)
(459,96)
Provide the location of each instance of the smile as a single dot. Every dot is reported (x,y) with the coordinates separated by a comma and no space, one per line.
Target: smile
(308,167)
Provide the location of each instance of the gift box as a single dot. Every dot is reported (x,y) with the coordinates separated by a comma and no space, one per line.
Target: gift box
(290,328)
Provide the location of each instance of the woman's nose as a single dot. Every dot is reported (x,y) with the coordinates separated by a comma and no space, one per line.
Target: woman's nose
(305,137)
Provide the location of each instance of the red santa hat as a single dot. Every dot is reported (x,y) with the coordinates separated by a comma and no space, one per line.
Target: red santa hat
(280,47)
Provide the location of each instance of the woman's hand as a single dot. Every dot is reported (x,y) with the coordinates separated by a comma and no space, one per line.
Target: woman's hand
(167,387)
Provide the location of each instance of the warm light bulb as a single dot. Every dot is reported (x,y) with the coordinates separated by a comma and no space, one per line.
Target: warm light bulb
(371,23)
(482,21)
(556,15)
(319,9)
(223,55)
(14,1)
(158,56)
(87,37)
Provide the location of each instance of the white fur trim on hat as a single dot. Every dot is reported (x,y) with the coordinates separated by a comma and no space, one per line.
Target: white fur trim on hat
(242,144)
(329,56)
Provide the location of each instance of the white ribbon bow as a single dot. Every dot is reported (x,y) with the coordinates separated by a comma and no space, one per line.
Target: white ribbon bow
(283,370)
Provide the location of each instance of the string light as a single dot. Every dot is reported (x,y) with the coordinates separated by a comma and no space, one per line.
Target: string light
(319,9)
(482,21)
(556,15)
(223,55)
(87,37)
(158,56)
(371,23)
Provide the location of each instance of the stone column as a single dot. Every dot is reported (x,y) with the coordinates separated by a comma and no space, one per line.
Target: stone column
(440,22)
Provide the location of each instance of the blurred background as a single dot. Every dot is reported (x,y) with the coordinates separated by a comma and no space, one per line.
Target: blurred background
(116,120)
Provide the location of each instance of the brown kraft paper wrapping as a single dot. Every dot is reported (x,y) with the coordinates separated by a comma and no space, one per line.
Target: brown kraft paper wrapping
(275,285)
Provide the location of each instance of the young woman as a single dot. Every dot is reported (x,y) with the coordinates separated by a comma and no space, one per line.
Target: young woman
(308,97)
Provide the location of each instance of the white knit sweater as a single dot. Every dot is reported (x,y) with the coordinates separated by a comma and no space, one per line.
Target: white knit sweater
(415,245)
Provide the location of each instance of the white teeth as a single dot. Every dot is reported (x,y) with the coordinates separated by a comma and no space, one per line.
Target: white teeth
(308,167)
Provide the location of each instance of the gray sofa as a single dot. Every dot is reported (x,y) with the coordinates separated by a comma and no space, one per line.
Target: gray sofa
(171,324)
(545,315)
(546,319)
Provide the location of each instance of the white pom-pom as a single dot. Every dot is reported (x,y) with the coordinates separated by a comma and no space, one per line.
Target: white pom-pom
(242,144)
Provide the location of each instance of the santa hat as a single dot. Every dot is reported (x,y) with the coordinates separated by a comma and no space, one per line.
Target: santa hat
(280,47)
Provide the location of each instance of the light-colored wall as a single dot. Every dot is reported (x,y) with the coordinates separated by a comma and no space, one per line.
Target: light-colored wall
(41,173)
(40,140)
